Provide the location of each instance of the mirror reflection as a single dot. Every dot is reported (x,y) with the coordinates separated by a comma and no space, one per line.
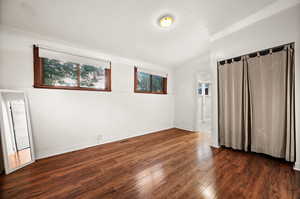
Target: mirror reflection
(15,130)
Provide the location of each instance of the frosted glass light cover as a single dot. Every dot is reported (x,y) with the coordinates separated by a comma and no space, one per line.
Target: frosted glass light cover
(166,21)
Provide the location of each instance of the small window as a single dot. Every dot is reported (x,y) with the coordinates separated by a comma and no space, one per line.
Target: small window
(203,89)
(149,83)
(56,74)
(157,84)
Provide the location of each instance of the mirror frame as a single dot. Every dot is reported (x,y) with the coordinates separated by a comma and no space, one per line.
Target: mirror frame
(9,170)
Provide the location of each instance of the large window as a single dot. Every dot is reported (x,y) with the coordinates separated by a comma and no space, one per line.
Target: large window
(57,74)
(145,82)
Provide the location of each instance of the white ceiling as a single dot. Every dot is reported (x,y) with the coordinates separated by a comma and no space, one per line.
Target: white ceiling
(129,28)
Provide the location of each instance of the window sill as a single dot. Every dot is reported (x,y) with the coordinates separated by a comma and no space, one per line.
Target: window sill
(72,88)
(144,92)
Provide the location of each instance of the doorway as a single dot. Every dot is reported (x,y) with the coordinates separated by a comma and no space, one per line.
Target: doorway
(203,100)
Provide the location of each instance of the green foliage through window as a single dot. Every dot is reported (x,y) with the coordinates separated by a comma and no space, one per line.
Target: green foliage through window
(149,83)
(57,73)
(157,84)
(144,82)
(92,77)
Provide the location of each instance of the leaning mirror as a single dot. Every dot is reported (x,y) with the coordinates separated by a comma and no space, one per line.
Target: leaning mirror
(16,135)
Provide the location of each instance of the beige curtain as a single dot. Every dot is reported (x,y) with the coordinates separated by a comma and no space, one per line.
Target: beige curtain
(256,104)
(271,83)
(231,105)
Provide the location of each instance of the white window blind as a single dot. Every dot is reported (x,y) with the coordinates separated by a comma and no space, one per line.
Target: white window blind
(46,52)
(152,72)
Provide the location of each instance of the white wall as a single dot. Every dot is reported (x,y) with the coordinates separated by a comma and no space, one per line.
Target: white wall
(65,120)
(185,92)
(276,30)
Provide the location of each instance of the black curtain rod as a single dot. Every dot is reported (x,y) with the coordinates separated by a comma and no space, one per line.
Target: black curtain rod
(254,54)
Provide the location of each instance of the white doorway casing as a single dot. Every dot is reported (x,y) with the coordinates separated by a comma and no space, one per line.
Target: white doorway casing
(203,112)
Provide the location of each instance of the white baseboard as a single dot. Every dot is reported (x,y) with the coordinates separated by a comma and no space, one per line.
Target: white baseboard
(297,166)
(215,146)
(184,128)
(62,150)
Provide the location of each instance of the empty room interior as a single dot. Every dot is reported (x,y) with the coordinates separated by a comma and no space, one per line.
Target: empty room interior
(149,99)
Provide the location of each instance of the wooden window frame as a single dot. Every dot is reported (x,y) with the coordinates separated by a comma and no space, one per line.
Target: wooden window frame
(38,76)
(164,84)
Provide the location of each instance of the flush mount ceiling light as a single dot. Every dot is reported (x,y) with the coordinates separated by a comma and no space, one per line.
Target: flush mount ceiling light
(166,21)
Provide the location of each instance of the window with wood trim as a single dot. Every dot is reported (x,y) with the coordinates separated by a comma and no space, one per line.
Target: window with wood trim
(146,82)
(53,73)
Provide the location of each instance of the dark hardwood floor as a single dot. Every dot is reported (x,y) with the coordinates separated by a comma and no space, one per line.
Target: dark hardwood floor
(167,164)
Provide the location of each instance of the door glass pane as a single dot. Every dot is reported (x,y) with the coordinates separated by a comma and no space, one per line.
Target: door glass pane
(92,77)
(206,89)
(200,91)
(157,84)
(57,73)
(143,82)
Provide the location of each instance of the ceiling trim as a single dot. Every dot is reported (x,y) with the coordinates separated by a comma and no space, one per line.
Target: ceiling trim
(266,12)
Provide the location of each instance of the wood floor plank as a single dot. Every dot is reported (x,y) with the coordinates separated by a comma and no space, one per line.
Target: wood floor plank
(168,164)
